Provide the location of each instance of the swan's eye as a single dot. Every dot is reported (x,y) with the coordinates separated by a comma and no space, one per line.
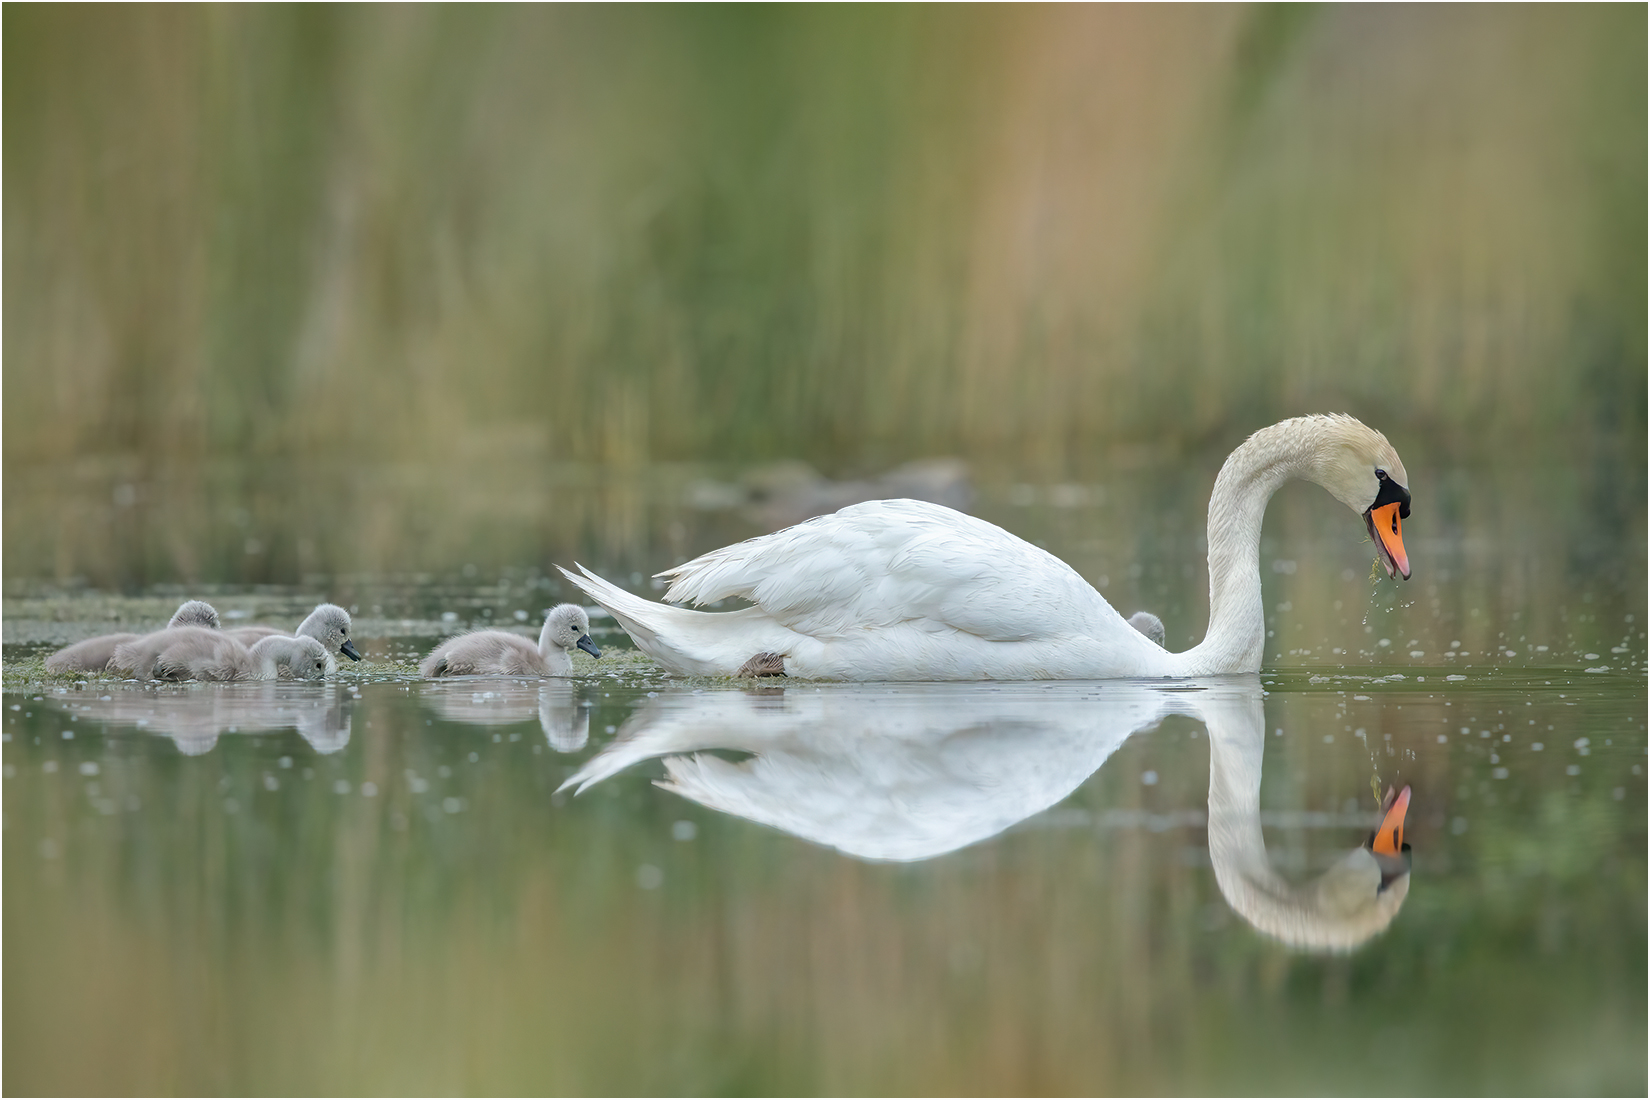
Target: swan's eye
(1381,474)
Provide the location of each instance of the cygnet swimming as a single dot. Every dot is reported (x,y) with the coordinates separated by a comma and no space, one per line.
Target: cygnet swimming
(500,653)
(92,655)
(196,653)
(328,623)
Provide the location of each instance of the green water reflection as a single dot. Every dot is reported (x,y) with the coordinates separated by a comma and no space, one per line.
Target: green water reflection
(375,886)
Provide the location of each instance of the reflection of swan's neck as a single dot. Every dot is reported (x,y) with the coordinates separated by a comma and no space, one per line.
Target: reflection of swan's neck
(1250,476)
(1338,910)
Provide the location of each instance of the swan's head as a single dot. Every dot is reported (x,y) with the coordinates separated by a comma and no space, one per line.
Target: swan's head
(330,624)
(567,625)
(195,613)
(1358,465)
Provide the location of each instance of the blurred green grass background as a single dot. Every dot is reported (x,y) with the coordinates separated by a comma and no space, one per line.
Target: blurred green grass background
(296,252)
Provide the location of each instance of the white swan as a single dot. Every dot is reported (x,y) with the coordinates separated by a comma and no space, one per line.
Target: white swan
(328,623)
(92,655)
(904,590)
(196,653)
(501,653)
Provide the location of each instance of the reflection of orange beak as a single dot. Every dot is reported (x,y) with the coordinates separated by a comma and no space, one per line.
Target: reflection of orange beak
(1389,838)
(1386,528)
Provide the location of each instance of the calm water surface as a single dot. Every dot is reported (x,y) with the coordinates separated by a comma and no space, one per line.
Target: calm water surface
(383,885)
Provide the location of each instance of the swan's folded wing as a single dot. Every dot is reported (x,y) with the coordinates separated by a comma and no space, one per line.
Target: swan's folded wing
(893,561)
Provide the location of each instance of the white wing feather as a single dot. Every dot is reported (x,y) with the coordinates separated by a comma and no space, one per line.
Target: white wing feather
(887,562)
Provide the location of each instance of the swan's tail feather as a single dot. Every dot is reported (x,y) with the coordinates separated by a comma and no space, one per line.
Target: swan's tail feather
(692,643)
(635,614)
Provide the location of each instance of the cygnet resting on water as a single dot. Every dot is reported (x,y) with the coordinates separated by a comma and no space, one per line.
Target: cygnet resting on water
(92,655)
(195,653)
(500,653)
(328,623)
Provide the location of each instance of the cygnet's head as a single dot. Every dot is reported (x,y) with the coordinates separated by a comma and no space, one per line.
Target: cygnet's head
(1356,464)
(1149,625)
(305,657)
(329,624)
(567,625)
(195,613)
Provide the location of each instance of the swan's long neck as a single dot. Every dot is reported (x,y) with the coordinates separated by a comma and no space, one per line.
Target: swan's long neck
(1253,472)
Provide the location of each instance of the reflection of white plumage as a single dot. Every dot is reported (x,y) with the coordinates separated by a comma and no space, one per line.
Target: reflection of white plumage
(905,590)
(504,702)
(194,716)
(908,775)
(926,769)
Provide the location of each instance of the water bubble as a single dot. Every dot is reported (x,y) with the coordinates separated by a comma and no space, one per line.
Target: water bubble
(649,877)
(684,830)
(1149,778)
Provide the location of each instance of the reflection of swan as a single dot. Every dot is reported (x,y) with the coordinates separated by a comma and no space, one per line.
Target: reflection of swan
(501,653)
(328,624)
(899,776)
(195,715)
(92,655)
(504,702)
(903,590)
(930,768)
(1356,898)
(195,653)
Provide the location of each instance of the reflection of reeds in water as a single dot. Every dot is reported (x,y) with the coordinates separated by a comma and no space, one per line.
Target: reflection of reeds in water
(854,236)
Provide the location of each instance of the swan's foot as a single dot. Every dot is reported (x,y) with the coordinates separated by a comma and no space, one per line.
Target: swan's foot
(763,664)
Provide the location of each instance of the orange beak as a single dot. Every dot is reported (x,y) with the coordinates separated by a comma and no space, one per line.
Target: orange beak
(1387,529)
(1389,838)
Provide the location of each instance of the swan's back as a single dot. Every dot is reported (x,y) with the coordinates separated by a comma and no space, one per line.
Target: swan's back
(887,562)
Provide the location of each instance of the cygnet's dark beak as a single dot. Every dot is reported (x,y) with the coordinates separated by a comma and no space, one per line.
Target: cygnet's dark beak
(348,650)
(588,646)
